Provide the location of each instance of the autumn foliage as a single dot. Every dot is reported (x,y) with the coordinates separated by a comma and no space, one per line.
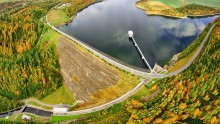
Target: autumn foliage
(26,70)
(191,96)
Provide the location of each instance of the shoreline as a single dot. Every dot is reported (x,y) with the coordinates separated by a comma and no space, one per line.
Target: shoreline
(152,13)
(143,81)
(73,16)
(133,67)
(188,16)
(49,25)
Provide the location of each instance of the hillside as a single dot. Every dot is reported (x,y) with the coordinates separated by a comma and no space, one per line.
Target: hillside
(192,96)
(10,5)
(179,9)
(36,61)
(26,70)
(62,15)
(89,78)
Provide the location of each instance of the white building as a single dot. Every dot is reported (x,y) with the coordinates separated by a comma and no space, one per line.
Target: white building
(60,109)
(26,117)
(57,110)
(130,33)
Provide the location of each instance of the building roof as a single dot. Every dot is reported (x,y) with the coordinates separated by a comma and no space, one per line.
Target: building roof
(26,117)
(59,110)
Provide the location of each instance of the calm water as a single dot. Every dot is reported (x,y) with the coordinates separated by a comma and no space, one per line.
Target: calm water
(104,26)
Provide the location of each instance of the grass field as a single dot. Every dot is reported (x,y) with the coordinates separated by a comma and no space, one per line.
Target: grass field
(3,1)
(179,64)
(49,36)
(58,17)
(174,8)
(211,3)
(61,95)
(11,118)
(172,3)
(178,3)
(35,118)
(144,91)
(55,118)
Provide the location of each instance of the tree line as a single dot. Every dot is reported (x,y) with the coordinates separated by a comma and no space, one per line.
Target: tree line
(26,70)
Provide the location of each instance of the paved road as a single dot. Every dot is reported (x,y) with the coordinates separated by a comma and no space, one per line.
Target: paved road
(111,103)
(131,70)
(109,60)
(38,102)
(17,113)
(145,81)
(193,57)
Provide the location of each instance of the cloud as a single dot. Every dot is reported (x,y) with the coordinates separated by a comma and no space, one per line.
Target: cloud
(169,24)
(120,35)
(200,25)
(185,30)
(180,28)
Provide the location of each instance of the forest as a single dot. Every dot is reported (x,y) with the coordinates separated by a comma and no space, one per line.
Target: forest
(29,68)
(194,9)
(77,5)
(9,5)
(179,8)
(192,96)
(26,67)
(190,10)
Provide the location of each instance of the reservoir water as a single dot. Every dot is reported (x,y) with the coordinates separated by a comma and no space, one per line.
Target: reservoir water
(104,26)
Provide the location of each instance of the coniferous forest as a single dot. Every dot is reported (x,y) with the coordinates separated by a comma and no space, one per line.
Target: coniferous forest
(29,68)
(26,68)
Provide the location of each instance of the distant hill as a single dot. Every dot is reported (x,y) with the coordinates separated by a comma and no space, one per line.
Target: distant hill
(179,8)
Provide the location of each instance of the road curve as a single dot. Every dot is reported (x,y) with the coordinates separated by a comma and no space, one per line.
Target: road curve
(109,60)
(194,56)
(38,102)
(113,102)
(145,81)
(131,70)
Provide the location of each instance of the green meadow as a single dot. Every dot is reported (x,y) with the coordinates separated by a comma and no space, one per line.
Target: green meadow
(178,3)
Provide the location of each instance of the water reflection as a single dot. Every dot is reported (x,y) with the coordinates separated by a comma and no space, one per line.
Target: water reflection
(105,25)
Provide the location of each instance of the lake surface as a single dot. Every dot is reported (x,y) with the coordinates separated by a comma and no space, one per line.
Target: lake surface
(104,26)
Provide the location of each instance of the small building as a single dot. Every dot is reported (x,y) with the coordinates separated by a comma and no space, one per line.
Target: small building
(57,110)
(26,117)
(158,69)
(60,109)
(130,33)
